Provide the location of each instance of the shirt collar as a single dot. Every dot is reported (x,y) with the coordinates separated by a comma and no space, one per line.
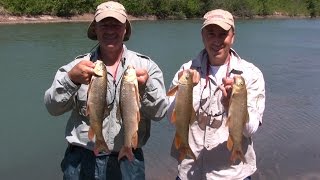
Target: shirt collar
(202,59)
(95,54)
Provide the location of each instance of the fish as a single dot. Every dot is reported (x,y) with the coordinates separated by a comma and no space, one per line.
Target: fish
(130,112)
(183,114)
(238,116)
(97,106)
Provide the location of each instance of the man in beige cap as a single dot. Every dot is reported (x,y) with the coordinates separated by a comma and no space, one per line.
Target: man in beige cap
(68,92)
(213,71)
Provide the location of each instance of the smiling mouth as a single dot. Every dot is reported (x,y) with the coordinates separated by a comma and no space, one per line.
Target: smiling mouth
(109,36)
(216,47)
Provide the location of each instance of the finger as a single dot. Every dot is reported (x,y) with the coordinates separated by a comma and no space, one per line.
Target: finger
(142,77)
(224,91)
(139,72)
(196,77)
(88,63)
(228,87)
(130,157)
(90,70)
(227,81)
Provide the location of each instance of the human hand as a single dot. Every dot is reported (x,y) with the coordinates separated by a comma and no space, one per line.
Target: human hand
(142,76)
(195,75)
(226,89)
(82,72)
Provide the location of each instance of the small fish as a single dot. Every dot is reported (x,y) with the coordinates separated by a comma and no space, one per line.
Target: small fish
(97,106)
(183,114)
(130,112)
(237,118)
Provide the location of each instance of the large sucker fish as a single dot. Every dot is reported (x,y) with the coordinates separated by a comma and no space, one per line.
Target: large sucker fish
(97,106)
(237,118)
(130,112)
(183,114)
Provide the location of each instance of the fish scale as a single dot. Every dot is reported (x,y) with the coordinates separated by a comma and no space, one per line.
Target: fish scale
(130,112)
(183,114)
(97,106)
(237,118)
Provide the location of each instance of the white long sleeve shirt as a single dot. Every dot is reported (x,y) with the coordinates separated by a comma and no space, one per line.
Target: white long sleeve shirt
(208,134)
(64,96)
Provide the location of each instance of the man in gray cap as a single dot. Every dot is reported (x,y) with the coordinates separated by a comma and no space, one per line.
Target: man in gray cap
(68,92)
(213,70)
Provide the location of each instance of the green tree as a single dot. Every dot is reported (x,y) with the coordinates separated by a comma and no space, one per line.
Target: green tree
(313,7)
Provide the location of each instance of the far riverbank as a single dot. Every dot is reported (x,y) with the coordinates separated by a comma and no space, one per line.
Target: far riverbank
(8,19)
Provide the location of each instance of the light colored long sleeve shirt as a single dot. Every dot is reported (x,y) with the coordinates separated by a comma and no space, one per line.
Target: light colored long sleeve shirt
(208,134)
(64,96)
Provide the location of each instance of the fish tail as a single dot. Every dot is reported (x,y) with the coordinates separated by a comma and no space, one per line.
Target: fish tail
(186,151)
(237,154)
(191,154)
(101,146)
(126,152)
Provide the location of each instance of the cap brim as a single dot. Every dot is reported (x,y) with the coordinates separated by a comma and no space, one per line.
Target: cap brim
(110,13)
(222,24)
(93,36)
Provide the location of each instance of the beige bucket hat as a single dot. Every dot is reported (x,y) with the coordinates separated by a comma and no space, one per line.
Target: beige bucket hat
(220,17)
(110,9)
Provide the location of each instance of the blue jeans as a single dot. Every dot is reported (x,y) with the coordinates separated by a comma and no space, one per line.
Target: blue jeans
(81,164)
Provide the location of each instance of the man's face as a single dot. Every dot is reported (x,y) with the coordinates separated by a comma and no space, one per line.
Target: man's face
(110,32)
(217,42)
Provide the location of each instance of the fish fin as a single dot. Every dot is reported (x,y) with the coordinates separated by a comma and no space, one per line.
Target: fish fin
(237,154)
(172,90)
(87,110)
(136,88)
(100,146)
(229,143)
(91,134)
(193,117)
(126,152)
(136,93)
(134,140)
(138,100)
(177,141)
(88,95)
(191,154)
(247,116)
(173,116)
(182,154)
(227,122)
(138,116)
(97,71)
(186,151)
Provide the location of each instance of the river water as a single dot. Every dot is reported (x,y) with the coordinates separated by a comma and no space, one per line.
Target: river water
(287,52)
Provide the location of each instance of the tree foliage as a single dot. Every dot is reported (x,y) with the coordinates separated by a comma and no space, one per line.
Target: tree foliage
(167,8)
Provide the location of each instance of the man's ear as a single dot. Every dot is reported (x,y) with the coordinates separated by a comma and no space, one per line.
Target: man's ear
(233,37)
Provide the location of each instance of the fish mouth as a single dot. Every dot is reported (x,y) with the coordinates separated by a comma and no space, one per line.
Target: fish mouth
(238,80)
